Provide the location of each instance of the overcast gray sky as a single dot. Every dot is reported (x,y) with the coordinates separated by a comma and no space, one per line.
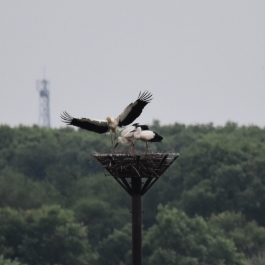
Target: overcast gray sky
(204,61)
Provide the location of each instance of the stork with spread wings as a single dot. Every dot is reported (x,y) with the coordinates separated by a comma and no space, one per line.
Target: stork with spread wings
(111,125)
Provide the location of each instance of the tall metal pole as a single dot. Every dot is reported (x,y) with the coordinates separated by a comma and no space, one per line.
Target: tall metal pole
(148,167)
(136,221)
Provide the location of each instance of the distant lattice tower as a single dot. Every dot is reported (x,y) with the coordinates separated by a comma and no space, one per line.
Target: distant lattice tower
(44,103)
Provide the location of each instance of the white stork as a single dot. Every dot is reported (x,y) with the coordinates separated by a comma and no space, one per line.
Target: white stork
(111,125)
(127,135)
(146,136)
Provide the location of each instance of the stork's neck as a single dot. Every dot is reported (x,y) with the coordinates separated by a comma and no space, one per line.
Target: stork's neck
(137,133)
(109,119)
(113,124)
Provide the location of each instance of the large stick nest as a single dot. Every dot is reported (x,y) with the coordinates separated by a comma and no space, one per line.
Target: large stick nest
(144,165)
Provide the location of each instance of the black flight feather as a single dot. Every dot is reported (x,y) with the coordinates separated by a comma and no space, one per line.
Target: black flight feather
(134,110)
(85,123)
(157,138)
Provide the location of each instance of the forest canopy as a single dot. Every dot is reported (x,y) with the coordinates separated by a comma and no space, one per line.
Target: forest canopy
(57,206)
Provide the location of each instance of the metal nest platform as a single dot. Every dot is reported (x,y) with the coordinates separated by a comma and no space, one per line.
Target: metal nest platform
(148,166)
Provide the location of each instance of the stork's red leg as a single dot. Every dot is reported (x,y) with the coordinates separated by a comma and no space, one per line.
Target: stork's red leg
(132,148)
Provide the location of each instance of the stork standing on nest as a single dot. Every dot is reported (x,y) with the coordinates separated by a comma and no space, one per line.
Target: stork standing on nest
(146,136)
(111,125)
(127,135)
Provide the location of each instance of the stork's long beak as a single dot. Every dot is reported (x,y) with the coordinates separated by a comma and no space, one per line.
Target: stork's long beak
(116,145)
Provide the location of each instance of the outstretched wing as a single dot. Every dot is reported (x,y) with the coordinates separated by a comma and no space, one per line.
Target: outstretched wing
(86,123)
(133,111)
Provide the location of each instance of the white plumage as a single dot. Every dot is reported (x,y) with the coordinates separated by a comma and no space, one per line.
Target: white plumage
(147,136)
(127,135)
(138,132)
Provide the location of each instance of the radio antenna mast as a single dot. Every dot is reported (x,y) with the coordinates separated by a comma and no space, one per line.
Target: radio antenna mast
(44,102)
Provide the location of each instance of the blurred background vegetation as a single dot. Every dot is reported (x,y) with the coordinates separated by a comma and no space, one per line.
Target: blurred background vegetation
(58,207)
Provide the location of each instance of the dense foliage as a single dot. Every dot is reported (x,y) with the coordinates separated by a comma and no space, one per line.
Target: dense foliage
(57,206)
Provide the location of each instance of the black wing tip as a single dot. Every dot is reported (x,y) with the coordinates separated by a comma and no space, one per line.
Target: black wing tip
(144,127)
(66,118)
(146,96)
(157,138)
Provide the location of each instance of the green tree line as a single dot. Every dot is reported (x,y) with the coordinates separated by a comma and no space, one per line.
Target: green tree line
(58,207)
